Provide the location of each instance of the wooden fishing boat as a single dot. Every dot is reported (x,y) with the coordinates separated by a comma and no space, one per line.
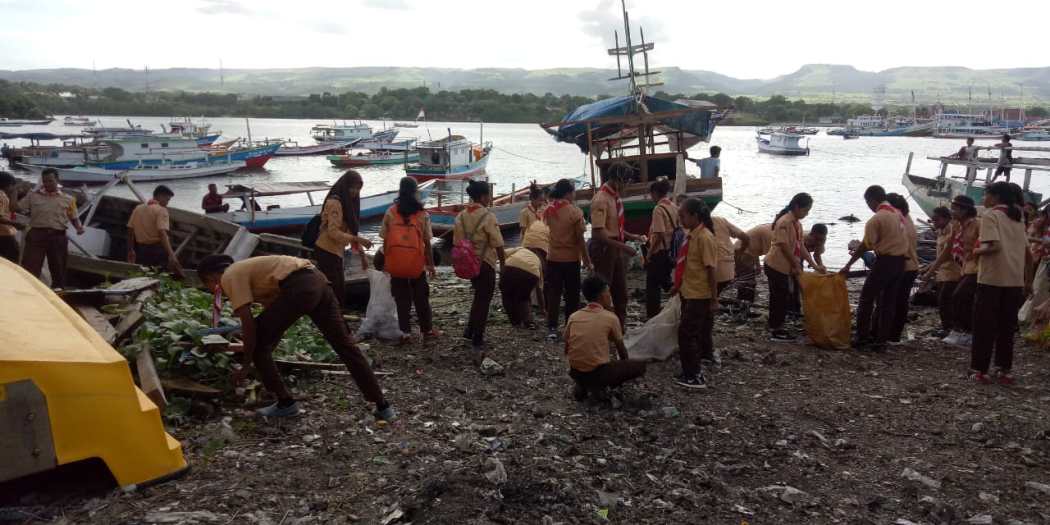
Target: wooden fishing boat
(101,253)
(373,159)
(293,149)
(145,173)
(277,219)
(451,158)
(253,156)
(931,192)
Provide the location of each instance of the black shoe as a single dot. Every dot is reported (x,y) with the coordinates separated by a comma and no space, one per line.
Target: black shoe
(697,382)
(781,336)
(579,393)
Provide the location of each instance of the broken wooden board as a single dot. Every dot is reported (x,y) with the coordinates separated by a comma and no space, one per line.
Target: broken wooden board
(127,325)
(133,285)
(149,381)
(99,322)
(186,386)
(307,365)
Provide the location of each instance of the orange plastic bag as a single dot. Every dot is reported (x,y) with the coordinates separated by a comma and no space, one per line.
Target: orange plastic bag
(825,304)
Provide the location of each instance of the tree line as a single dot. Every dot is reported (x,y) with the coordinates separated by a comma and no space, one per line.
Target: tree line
(29,100)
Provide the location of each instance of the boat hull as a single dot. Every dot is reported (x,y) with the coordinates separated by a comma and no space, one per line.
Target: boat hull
(93,175)
(423,173)
(765,147)
(349,161)
(319,149)
(929,193)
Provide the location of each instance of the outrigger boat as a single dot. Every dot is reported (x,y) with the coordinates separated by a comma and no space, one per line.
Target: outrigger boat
(293,149)
(13,122)
(78,121)
(375,158)
(451,158)
(188,129)
(930,193)
(143,173)
(625,132)
(277,219)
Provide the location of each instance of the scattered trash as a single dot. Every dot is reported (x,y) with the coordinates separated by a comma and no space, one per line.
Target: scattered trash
(913,475)
(495,472)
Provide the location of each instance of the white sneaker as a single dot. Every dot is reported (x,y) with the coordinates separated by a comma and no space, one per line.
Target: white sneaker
(953,338)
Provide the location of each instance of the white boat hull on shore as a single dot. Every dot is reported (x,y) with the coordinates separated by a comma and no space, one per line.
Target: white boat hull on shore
(90,175)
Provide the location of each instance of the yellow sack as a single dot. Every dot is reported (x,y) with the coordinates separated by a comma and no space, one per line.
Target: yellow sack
(825,303)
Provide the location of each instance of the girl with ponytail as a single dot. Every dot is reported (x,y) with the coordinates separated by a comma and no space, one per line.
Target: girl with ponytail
(694,280)
(784,262)
(1003,277)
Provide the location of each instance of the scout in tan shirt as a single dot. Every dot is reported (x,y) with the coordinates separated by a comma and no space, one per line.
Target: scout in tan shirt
(608,239)
(956,268)
(533,211)
(696,284)
(8,225)
(658,264)
(567,249)
(885,234)
(406,230)
(1004,276)
(520,276)
(288,288)
(149,238)
(725,232)
(787,252)
(50,213)
(340,221)
(588,333)
(944,268)
(479,225)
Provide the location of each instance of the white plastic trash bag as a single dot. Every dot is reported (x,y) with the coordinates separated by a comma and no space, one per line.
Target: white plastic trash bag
(381,316)
(658,337)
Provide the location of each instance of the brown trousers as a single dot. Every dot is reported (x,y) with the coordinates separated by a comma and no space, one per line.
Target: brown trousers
(561,278)
(515,289)
(9,248)
(994,326)
(945,307)
(609,375)
(484,288)
(609,263)
(331,265)
(151,255)
(51,244)
(880,290)
(902,305)
(694,334)
(962,298)
(306,292)
(407,292)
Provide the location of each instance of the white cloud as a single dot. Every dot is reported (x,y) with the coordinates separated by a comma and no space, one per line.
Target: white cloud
(387,4)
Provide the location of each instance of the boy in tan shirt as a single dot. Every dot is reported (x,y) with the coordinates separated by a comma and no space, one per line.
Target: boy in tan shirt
(149,238)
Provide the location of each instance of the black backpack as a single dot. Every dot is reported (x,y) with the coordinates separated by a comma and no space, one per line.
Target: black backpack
(312,232)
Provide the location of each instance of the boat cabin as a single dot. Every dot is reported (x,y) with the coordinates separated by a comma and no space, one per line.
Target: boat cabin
(356,131)
(449,152)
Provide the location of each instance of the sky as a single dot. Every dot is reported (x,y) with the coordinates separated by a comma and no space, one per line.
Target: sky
(744,39)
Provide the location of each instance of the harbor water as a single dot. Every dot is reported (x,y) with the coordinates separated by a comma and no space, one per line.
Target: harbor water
(756,185)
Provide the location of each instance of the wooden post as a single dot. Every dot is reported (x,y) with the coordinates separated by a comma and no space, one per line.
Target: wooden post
(590,154)
(907,168)
(644,157)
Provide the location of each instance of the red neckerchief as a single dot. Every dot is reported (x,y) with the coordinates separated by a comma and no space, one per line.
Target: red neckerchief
(683,254)
(886,206)
(151,202)
(554,207)
(216,306)
(619,209)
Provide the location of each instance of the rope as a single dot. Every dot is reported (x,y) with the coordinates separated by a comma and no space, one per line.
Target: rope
(527,158)
(741,210)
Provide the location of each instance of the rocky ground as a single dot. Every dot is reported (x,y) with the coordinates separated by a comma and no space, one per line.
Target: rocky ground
(787,434)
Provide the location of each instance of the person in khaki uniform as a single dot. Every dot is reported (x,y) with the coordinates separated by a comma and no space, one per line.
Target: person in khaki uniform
(533,211)
(8,226)
(749,263)
(478,224)
(1004,278)
(783,264)
(944,269)
(725,232)
(911,268)
(149,240)
(288,288)
(340,221)
(588,334)
(50,213)
(658,263)
(408,210)
(695,281)
(608,249)
(885,234)
(568,252)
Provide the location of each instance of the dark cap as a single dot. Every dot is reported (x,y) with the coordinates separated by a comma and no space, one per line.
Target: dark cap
(963,201)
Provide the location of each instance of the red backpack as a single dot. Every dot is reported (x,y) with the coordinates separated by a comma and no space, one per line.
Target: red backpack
(404,253)
(465,260)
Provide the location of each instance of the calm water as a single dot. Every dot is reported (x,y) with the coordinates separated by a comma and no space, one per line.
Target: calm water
(756,185)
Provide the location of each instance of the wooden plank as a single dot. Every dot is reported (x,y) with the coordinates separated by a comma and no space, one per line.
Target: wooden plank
(149,381)
(134,285)
(189,237)
(307,365)
(128,324)
(189,387)
(98,322)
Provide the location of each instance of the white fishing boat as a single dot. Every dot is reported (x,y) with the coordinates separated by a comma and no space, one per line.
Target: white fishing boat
(963,126)
(82,122)
(144,173)
(779,143)
(132,130)
(451,158)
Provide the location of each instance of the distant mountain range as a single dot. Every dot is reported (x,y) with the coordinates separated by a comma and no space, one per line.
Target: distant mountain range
(815,82)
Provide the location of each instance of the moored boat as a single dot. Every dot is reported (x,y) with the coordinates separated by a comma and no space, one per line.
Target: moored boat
(14,122)
(373,159)
(145,173)
(253,156)
(293,149)
(450,158)
(82,122)
(779,143)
